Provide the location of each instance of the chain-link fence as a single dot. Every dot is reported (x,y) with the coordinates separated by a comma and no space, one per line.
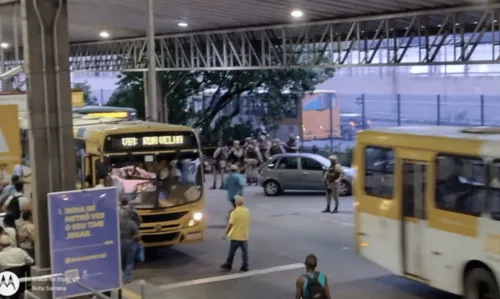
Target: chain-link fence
(337,127)
(420,109)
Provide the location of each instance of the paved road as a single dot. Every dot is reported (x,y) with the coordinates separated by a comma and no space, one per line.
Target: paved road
(284,230)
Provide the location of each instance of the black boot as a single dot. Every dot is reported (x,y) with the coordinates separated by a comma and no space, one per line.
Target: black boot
(327,210)
(213,187)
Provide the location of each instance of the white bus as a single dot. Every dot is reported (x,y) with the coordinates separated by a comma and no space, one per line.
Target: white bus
(427,205)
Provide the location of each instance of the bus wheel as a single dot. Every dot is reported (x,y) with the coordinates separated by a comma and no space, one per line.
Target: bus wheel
(480,284)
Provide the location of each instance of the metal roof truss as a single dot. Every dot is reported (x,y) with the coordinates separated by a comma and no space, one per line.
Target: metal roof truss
(320,44)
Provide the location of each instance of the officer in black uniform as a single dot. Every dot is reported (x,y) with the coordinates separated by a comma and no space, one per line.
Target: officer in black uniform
(291,145)
(275,149)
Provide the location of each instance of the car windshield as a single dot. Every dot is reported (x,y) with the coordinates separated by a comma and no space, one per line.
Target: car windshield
(158,181)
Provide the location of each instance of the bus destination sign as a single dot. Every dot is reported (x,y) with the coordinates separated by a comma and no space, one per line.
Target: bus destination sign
(152,141)
(149,141)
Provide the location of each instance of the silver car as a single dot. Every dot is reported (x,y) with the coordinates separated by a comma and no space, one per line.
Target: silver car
(299,171)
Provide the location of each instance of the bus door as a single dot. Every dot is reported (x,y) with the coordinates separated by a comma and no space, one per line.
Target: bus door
(413,194)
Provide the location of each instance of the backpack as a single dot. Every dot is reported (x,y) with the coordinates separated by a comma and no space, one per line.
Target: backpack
(14,207)
(314,288)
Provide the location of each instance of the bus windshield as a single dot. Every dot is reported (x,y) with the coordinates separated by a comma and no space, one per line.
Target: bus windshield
(158,180)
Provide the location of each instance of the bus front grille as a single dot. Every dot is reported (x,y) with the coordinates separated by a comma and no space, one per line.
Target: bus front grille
(162,217)
(159,238)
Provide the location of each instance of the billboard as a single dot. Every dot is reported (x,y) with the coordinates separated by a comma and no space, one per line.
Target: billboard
(10,147)
(84,241)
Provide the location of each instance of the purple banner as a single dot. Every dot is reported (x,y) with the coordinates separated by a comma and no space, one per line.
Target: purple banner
(84,241)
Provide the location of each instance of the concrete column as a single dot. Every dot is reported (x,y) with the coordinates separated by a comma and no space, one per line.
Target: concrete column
(52,155)
(145,86)
(152,85)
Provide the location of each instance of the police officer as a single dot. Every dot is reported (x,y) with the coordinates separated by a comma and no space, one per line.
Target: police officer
(246,143)
(235,155)
(264,146)
(252,160)
(292,144)
(332,178)
(315,149)
(275,149)
(220,157)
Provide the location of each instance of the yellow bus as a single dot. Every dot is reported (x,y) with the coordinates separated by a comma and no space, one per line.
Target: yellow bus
(427,205)
(155,165)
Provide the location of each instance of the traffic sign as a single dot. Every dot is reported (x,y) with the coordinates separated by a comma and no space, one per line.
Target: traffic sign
(84,241)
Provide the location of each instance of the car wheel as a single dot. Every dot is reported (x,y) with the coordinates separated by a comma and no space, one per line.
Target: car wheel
(272,188)
(480,283)
(345,188)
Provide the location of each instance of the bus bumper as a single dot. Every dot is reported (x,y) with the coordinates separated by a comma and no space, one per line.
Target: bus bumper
(162,239)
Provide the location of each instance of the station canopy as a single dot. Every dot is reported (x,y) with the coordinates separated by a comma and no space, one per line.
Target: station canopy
(119,19)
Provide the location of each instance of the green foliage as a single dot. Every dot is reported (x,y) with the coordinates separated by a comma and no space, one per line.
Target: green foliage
(130,93)
(88,98)
(228,134)
(178,87)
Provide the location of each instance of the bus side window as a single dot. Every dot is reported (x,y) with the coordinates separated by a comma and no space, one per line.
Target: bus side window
(80,162)
(494,198)
(379,172)
(461,184)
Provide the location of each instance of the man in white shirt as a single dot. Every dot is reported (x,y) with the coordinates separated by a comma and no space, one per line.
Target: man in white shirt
(12,256)
(18,170)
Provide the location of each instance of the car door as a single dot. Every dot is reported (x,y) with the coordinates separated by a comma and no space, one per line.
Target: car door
(288,173)
(268,170)
(312,174)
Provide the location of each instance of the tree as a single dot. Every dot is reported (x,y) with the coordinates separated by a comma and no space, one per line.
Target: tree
(176,89)
(276,91)
(88,98)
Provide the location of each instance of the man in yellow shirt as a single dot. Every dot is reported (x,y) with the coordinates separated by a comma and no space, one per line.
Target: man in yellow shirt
(237,232)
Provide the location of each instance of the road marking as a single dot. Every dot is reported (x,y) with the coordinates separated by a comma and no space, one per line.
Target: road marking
(129,294)
(329,220)
(231,276)
(261,205)
(337,222)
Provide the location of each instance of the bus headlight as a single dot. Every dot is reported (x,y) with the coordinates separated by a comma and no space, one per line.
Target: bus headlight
(197,216)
